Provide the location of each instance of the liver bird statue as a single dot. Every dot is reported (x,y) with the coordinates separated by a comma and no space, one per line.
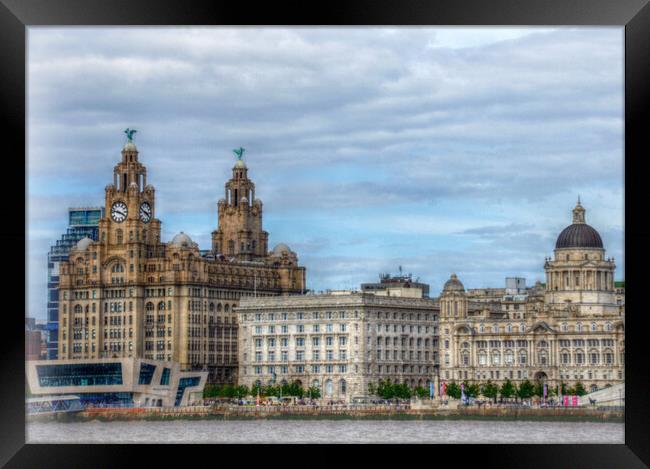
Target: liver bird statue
(239,152)
(129,134)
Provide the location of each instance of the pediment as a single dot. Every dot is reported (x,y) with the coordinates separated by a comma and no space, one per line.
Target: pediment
(541,328)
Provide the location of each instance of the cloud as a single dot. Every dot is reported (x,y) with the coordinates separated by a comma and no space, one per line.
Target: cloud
(362,142)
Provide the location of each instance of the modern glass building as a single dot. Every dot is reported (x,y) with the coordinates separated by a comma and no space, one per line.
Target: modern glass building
(117,382)
(82,222)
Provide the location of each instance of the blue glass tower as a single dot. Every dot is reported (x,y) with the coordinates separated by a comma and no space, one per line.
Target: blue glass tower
(83,222)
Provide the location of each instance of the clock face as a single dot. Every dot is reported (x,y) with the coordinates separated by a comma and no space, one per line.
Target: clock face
(119,211)
(145,212)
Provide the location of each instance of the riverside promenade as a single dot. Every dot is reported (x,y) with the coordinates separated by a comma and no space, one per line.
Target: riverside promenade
(342,412)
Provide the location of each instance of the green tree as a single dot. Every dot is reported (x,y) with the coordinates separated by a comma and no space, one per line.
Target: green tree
(490,390)
(313,392)
(525,389)
(255,390)
(564,389)
(421,392)
(507,389)
(579,389)
(211,391)
(385,389)
(453,390)
(472,389)
(403,391)
(538,389)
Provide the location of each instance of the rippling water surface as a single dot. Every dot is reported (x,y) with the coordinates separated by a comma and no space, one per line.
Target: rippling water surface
(324,431)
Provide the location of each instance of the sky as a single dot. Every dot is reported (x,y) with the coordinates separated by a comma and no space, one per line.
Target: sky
(436,149)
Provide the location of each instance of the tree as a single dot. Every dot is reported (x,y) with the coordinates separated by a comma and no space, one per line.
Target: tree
(507,389)
(313,392)
(490,390)
(453,390)
(242,391)
(255,390)
(403,391)
(211,391)
(472,390)
(385,389)
(526,389)
(564,389)
(421,392)
(579,389)
(538,389)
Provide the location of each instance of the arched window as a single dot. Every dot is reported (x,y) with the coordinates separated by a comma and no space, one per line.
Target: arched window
(495,328)
(329,387)
(608,327)
(609,357)
(343,387)
(580,357)
(542,357)
(496,358)
(482,358)
(565,327)
(77,309)
(522,357)
(594,357)
(510,357)
(565,356)
(578,327)
(593,327)
(218,307)
(211,307)
(226,308)
(161,306)
(509,327)
(149,306)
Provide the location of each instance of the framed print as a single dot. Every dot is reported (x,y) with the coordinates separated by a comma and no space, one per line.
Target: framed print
(211,191)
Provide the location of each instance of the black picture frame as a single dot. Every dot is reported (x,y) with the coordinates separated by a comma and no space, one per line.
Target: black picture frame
(634,15)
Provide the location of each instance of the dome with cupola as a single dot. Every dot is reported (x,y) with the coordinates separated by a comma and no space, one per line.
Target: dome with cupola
(182,240)
(453,284)
(579,234)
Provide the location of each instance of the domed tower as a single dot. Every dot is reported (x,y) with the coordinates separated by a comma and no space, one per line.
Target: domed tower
(453,300)
(579,274)
(239,233)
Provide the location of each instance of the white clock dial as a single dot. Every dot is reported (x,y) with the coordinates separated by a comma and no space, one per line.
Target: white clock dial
(119,211)
(145,212)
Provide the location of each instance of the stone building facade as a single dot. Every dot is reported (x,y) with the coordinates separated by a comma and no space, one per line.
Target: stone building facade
(130,294)
(340,343)
(569,330)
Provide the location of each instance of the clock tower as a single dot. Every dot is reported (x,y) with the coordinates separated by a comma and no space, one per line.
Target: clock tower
(130,203)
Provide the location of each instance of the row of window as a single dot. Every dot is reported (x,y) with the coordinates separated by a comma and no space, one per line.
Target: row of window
(301,369)
(300,356)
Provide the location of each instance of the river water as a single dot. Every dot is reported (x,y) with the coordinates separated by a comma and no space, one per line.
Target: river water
(324,431)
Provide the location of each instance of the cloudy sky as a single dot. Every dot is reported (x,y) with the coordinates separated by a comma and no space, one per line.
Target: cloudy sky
(439,149)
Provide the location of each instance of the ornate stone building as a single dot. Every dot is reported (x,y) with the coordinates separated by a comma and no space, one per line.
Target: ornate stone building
(130,294)
(339,342)
(569,330)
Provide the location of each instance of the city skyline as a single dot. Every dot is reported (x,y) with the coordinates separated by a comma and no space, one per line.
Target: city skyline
(361,163)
